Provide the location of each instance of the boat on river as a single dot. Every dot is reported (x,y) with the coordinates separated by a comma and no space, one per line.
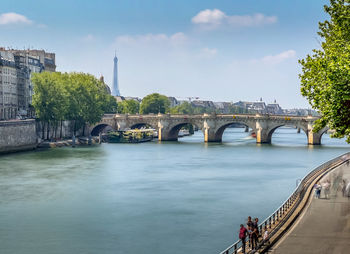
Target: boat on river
(252,134)
(129,136)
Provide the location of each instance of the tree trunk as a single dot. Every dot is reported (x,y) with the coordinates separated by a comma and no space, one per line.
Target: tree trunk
(61,129)
(48,131)
(42,130)
(84,130)
(55,130)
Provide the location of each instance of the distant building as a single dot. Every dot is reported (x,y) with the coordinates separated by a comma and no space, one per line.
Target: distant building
(108,90)
(203,104)
(132,98)
(274,108)
(16,90)
(243,104)
(173,102)
(223,107)
(115,88)
(122,98)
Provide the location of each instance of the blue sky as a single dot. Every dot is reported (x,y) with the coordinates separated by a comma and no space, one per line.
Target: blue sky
(222,50)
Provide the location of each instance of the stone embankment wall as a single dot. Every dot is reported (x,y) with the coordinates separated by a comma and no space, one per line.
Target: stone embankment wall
(17,135)
(56,132)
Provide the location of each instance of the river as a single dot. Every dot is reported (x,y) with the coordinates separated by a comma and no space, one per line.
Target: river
(150,198)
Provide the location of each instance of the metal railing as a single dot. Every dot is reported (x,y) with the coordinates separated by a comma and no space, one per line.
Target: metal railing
(277,219)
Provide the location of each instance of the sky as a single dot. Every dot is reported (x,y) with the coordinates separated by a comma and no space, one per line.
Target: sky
(220,50)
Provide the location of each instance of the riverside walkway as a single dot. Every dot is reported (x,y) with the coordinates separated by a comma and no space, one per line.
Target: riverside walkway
(303,224)
(324,226)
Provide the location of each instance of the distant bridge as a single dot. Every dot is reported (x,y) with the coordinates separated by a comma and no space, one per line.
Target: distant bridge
(212,125)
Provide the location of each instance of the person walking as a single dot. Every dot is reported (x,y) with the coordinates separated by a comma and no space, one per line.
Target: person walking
(318,188)
(327,189)
(242,236)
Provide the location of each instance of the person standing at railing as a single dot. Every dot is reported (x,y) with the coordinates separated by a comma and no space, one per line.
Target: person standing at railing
(242,236)
(250,230)
(266,236)
(254,238)
(256,224)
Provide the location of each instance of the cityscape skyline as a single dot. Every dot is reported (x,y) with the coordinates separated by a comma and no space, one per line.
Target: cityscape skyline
(222,50)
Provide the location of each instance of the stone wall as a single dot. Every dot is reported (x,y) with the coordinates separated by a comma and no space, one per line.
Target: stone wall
(56,132)
(17,135)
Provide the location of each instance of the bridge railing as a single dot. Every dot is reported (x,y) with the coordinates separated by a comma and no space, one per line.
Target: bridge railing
(277,219)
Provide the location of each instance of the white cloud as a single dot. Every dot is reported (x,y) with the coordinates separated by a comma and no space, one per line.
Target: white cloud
(275,59)
(14,18)
(174,39)
(211,19)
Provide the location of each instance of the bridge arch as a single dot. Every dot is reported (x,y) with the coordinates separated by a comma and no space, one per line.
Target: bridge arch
(96,130)
(271,130)
(220,130)
(171,133)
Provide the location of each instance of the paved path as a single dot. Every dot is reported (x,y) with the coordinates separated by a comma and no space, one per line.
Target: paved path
(324,227)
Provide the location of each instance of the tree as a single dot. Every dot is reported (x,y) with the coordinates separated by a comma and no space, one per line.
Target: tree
(154,103)
(49,99)
(183,108)
(78,97)
(325,78)
(110,105)
(129,106)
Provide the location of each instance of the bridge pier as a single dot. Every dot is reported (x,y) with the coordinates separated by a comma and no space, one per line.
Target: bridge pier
(210,136)
(263,132)
(262,136)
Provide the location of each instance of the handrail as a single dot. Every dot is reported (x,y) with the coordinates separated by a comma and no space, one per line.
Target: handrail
(283,212)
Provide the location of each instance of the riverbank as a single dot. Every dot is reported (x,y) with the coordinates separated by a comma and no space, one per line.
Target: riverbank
(17,135)
(68,142)
(308,235)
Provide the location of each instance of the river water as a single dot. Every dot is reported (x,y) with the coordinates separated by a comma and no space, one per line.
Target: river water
(150,198)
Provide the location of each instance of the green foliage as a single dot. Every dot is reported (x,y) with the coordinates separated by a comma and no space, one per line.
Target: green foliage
(325,78)
(50,97)
(70,96)
(154,103)
(128,106)
(183,108)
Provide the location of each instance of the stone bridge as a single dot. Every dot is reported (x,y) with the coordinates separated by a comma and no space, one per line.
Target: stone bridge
(212,125)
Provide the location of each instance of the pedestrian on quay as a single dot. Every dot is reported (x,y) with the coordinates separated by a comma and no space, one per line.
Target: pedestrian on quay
(266,236)
(255,236)
(242,236)
(256,224)
(327,189)
(250,229)
(318,188)
(249,222)
(343,187)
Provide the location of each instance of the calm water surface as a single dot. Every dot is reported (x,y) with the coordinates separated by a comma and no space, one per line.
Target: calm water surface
(150,198)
